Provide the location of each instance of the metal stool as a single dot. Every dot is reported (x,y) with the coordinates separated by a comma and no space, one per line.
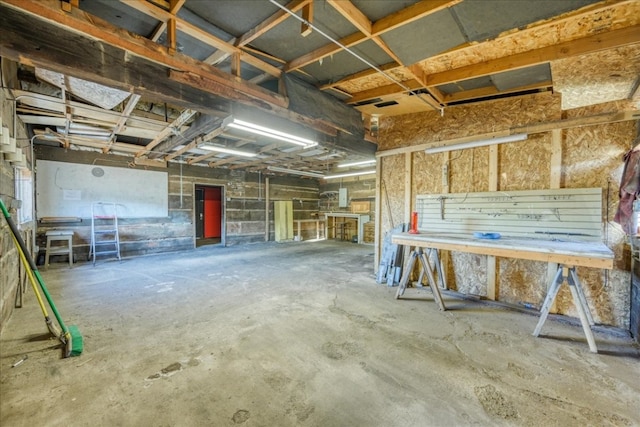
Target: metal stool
(67,249)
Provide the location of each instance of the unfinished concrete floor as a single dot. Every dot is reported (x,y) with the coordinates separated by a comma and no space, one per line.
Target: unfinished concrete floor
(298,334)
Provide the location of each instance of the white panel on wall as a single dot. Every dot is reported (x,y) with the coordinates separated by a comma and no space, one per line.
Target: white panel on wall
(68,189)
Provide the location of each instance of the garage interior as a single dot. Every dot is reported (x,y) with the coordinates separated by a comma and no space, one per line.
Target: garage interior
(250,166)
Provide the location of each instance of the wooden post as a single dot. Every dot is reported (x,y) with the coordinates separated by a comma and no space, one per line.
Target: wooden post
(307,15)
(266,209)
(555,179)
(378,216)
(408,181)
(493,186)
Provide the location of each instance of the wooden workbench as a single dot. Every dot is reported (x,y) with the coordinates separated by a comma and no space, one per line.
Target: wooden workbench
(567,254)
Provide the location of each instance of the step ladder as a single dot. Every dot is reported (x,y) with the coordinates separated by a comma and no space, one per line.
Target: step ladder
(104,230)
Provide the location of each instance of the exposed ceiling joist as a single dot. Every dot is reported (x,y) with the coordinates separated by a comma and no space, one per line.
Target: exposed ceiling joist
(200,34)
(402,17)
(547,54)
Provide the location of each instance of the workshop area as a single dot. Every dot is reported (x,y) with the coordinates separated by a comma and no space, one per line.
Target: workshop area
(303,337)
(320,212)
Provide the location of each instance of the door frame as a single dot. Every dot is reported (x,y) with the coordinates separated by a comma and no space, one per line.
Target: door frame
(223,216)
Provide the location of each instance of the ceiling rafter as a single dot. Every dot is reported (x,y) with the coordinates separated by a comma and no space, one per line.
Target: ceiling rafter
(349,11)
(200,34)
(194,143)
(575,47)
(485,92)
(81,22)
(184,117)
(388,23)
(537,26)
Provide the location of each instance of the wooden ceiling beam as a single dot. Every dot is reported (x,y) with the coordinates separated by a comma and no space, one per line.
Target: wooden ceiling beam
(272,21)
(382,91)
(388,23)
(200,34)
(193,144)
(537,26)
(484,92)
(180,121)
(530,58)
(581,46)
(94,28)
(354,15)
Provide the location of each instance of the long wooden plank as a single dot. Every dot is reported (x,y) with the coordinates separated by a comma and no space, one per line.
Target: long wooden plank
(595,255)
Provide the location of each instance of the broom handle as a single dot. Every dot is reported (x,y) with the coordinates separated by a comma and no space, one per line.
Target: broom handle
(32,264)
(32,278)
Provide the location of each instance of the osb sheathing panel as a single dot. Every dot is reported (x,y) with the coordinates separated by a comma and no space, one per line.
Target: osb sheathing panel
(466,120)
(392,192)
(525,165)
(538,36)
(469,170)
(598,77)
(427,174)
(592,157)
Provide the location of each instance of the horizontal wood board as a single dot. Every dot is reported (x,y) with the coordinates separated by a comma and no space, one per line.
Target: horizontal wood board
(568,213)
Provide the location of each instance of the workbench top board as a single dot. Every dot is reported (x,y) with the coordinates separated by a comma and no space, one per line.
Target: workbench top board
(561,251)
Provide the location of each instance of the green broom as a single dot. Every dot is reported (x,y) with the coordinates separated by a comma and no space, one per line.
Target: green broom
(70,336)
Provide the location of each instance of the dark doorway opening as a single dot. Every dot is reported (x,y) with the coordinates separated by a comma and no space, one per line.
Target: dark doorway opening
(209,218)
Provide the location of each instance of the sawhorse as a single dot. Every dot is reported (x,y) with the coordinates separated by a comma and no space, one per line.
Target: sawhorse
(418,253)
(567,274)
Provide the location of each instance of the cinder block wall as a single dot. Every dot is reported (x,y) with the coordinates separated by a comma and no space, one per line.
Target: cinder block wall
(10,273)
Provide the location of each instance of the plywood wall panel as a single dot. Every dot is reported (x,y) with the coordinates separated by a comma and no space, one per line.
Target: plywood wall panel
(427,174)
(465,120)
(525,165)
(587,79)
(591,158)
(392,191)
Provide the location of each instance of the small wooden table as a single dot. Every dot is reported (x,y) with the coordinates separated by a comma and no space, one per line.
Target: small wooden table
(567,254)
(66,248)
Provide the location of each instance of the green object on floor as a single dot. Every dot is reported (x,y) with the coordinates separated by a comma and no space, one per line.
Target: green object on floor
(70,337)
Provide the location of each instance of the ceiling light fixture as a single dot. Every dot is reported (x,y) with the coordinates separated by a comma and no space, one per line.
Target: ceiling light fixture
(295,172)
(360,163)
(227,150)
(478,143)
(271,133)
(348,174)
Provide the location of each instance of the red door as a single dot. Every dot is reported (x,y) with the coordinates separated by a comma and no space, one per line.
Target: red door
(212,212)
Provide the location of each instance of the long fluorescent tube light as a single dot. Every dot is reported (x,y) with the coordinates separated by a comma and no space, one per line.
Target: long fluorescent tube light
(478,143)
(271,133)
(295,172)
(360,163)
(227,150)
(348,174)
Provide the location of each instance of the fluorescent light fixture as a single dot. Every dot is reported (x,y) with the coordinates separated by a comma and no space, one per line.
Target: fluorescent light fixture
(360,163)
(348,174)
(227,150)
(295,172)
(271,133)
(478,143)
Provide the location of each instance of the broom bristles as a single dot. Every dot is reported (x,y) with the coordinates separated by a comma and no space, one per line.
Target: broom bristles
(73,342)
